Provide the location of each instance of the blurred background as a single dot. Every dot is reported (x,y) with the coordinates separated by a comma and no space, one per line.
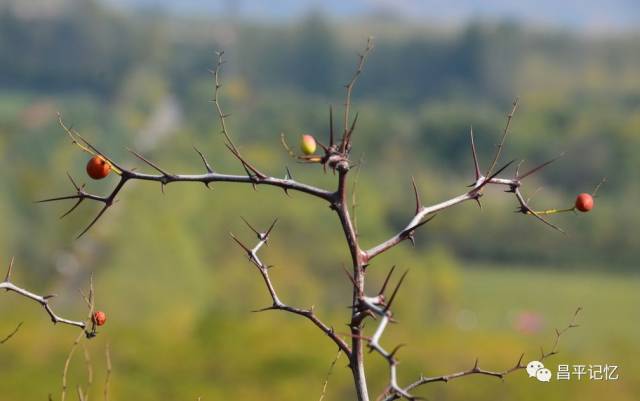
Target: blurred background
(483,283)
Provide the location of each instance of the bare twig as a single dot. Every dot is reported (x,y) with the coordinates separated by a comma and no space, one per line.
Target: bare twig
(107,379)
(346,136)
(13,333)
(329,372)
(277,304)
(43,300)
(477,370)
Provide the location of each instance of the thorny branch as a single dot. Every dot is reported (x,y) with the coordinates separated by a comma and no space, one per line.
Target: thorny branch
(253,175)
(277,304)
(43,300)
(394,393)
(337,158)
(423,214)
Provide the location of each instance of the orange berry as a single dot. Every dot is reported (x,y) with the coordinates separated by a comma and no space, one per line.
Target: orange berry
(98,168)
(584,202)
(99,318)
(308,144)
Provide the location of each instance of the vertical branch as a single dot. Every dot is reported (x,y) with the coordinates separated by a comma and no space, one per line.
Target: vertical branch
(107,380)
(329,372)
(496,157)
(67,362)
(349,89)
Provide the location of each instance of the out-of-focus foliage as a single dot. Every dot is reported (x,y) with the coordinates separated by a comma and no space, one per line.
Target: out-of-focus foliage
(177,291)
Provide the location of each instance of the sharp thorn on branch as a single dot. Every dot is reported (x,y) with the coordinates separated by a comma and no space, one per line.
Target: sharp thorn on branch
(94,221)
(474,153)
(150,163)
(386,280)
(256,232)
(204,161)
(265,236)
(538,168)
(9,269)
(417,196)
(395,291)
(246,249)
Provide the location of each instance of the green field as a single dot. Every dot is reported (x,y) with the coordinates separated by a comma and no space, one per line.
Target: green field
(203,352)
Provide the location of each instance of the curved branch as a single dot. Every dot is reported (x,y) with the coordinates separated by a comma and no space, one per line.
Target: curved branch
(43,300)
(166,178)
(476,370)
(277,304)
(513,186)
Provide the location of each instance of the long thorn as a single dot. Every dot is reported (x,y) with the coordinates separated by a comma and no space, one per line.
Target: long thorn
(150,163)
(8,275)
(251,227)
(386,280)
(540,167)
(476,164)
(240,243)
(270,228)
(104,209)
(204,160)
(395,291)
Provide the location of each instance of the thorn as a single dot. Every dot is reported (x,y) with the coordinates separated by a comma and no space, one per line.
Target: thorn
(251,227)
(386,280)
(518,168)
(247,250)
(204,160)
(272,307)
(412,238)
(413,228)
(73,182)
(150,163)
(396,349)
(94,221)
(72,208)
(395,291)
(476,165)
(417,196)
(492,176)
(538,168)
(8,275)
(353,281)
(266,235)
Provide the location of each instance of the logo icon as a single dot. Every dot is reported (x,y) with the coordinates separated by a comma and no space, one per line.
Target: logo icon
(536,369)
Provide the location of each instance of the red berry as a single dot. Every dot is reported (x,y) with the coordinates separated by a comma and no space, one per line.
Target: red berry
(98,168)
(584,202)
(99,318)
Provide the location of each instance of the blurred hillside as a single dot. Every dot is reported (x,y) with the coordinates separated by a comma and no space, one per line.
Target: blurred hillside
(108,72)
(141,80)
